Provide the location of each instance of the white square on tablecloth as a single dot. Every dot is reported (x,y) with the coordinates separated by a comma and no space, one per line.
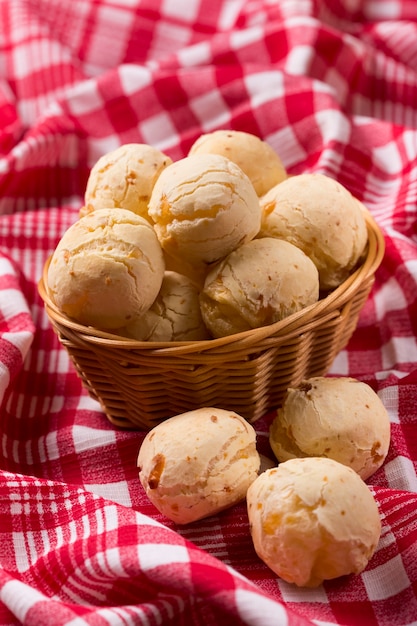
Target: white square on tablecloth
(115,491)
(387,580)
(265,87)
(158,131)
(86,438)
(211,110)
(182,9)
(298,60)
(388,158)
(153,555)
(400,474)
(85,99)
(134,78)
(399,350)
(252,605)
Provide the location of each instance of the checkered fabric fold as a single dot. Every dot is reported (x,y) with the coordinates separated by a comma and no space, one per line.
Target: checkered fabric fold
(332,86)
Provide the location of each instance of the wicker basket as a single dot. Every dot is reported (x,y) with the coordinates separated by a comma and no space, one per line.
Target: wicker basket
(139,384)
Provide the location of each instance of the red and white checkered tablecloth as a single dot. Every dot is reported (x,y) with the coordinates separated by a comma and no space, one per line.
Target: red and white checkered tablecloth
(332,86)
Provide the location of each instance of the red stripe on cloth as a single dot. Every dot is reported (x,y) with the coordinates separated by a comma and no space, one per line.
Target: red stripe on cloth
(10,357)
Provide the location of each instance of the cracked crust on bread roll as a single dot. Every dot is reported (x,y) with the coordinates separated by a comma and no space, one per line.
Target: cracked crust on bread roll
(106,269)
(313,519)
(319,215)
(175,315)
(260,283)
(338,417)
(124,178)
(204,207)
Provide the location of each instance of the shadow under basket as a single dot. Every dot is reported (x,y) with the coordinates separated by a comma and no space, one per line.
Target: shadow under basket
(140,384)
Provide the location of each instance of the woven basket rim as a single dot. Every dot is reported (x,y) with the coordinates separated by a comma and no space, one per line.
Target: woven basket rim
(290,325)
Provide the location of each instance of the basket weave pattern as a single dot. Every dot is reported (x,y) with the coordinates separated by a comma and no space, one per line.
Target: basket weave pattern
(139,384)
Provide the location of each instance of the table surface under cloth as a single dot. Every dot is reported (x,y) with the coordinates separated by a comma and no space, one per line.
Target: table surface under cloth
(332,86)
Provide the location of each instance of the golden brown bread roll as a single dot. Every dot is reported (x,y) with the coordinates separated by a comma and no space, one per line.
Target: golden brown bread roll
(313,519)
